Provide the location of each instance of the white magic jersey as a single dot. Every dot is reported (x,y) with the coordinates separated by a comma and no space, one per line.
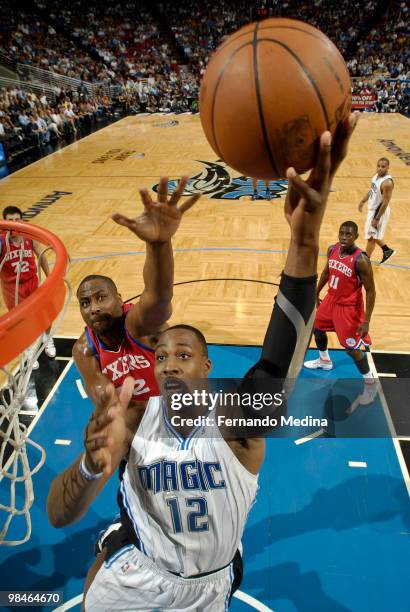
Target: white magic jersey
(188,498)
(375,196)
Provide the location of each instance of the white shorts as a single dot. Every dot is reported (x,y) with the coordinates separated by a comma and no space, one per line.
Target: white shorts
(372,232)
(130,581)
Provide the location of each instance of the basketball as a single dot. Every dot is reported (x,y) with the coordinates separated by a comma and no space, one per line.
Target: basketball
(268,93)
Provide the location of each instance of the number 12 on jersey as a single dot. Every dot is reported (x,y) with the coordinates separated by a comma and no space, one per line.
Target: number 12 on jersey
(194,522)
(334,281)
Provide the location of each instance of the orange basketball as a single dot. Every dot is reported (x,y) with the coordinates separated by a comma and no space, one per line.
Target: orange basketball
(268,93)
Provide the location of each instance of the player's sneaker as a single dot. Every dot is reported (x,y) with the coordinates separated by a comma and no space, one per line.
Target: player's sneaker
(371,389)
(50,349)
(255,196)
(316,364)
(268,195)
(368,395)
(387,254)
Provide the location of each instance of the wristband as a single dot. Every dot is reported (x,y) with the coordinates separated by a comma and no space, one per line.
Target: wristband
(85,473)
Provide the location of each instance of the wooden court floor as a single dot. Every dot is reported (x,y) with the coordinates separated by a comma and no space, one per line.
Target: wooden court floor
(226,236)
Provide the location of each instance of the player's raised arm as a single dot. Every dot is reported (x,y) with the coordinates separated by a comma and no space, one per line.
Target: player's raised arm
(105,444)
(156,226)
(290,326)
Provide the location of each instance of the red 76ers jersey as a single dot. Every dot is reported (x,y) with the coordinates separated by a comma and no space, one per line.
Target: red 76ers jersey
(131,359)
(344,284)
(17,259)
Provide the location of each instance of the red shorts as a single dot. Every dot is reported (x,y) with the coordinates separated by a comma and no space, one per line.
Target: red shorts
(25,289)
(344,320)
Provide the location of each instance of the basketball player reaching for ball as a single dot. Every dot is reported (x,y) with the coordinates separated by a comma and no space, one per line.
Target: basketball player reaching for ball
(378,209)
(117,340)
(18,266)
(347,270)
(175,546)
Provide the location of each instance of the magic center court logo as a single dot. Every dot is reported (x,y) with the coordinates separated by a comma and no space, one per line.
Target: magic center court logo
(215,182)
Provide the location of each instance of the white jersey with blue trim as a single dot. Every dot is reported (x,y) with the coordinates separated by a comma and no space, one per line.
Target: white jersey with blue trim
(188,499)
(375,194)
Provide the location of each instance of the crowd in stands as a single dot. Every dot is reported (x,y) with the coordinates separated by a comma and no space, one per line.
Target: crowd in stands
(29,120)
(124,45)
(200,27)
(384,51)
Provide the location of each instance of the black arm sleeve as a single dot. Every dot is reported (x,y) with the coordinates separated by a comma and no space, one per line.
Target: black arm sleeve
(289,329)
(285,344)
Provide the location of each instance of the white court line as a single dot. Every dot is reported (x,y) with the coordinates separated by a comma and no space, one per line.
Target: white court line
(66,337)
(392,352)
(62,358)
(395,441)
(28,412)
(357,464)
(62,442)
(386,375)
(40,412)
(80,388)
(311,436)
(251,601)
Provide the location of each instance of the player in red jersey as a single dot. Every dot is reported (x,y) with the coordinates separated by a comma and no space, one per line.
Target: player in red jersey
(18,265)
(347,270)
(119,339)
(113,344)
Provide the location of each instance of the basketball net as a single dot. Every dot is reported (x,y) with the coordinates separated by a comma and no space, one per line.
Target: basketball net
(20,456)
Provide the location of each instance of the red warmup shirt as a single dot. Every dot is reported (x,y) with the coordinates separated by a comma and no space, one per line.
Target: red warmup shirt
(131,358)
(10,267)
(344,284)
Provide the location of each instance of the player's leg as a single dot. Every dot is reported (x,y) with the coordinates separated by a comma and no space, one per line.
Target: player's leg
(92,572)
(370,246)
(323,323)
(255,195)
(381,229)
(9,294)
(369,233)
(25,290)
(347,320)
(361,362)
(268,193)
(323,361)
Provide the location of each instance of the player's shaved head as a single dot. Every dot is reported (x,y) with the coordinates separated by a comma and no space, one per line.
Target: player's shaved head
(351,225)
(385,160)
(105,279)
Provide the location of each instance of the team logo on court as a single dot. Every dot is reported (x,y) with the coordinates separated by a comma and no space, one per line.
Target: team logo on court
(350,341)
(216,182)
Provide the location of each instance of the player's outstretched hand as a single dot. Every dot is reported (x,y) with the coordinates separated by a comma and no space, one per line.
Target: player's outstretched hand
(105,438)
(161,218)
(306,200)
(311,195)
